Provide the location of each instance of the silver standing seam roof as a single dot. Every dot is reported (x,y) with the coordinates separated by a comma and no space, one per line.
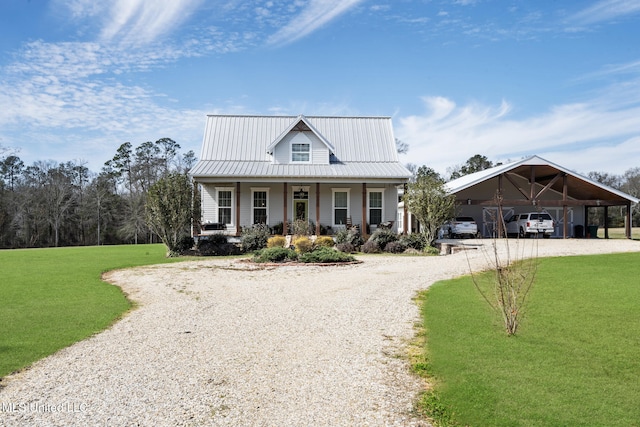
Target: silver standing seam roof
(240,147)
(470,180)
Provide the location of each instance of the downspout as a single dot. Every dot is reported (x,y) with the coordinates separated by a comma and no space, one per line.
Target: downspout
(364,209)
(238,230)
(285,226)
(405,218)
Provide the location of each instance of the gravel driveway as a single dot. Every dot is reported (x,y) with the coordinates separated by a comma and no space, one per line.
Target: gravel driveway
(221,342)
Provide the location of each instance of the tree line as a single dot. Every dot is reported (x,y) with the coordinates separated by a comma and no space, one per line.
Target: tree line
(65,204)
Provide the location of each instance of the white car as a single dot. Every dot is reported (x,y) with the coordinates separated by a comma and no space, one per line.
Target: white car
(461,226)
(527,224)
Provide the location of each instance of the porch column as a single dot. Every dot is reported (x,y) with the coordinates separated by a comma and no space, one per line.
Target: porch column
(364,209)
(238,231)
(285,226)
(317,208)
(606,222)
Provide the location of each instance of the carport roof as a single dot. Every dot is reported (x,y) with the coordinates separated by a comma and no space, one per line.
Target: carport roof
(581,187)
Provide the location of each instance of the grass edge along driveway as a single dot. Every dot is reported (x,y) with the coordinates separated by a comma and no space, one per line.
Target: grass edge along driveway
(574,361)
(51,298)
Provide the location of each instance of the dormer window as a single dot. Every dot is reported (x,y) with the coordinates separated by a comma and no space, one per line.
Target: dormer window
(301,152)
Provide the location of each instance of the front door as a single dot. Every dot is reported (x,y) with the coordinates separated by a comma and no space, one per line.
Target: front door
(301,209)
(301,203)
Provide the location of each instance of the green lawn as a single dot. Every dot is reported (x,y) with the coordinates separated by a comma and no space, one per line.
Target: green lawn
(574,362)
(51,298)
(618,233)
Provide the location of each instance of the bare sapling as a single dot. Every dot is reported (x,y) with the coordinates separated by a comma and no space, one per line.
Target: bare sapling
(514,264)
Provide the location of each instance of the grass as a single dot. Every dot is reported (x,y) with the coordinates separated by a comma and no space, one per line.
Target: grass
(618,233)
(51,298)
(574,361)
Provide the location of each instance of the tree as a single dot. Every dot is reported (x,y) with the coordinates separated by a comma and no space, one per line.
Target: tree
(169,209)
(11,168)
(474,164)
(168,151)
(427,199)
(120,165)
(401,147)
(514,273)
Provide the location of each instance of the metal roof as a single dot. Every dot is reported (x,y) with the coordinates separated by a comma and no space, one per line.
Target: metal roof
(239,146)
(241,169)
(582,188)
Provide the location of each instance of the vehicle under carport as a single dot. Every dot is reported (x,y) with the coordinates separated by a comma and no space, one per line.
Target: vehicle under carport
(536,184)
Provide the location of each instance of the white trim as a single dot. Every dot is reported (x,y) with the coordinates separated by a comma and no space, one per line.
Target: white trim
(375,190)
(309,152)
(259,190)
(333,205)
(217,207)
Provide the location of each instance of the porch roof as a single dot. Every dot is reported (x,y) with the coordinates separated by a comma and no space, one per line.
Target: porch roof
(221,169)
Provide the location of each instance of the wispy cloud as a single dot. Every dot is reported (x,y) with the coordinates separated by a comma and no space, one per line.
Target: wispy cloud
(448,134)
(606,10)
(143,21)
(132,22)
(313,16)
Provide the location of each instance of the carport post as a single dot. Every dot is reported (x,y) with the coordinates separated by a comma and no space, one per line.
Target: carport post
(627,225)
(565,191)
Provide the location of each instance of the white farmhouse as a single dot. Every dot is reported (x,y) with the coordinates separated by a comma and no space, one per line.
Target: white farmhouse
(329,171)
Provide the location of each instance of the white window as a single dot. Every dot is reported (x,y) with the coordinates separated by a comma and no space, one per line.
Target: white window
(340,198)
(259,205)
(224,202)
(301,152)
(374,204)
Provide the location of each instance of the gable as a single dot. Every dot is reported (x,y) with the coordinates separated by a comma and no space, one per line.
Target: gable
(294,144)
(301,126)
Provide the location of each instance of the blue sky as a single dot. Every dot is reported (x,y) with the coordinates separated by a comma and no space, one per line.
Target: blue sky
(501,78)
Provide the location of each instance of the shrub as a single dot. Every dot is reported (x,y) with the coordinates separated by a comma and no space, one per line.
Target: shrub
(370,247)
(185,243)
(345,247)
(324,230)
(303,244)
(301,227)
(278,228)
(276,242)
(214,244)
(394,247)
(275,254)
(415,241)
(254,238)
(324,255)
(383,236)
(351,235)
(430,250)
(324,242)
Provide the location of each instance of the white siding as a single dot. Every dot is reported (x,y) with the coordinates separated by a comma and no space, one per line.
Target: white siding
(319,152)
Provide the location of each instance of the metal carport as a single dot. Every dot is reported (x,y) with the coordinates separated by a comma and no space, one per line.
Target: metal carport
(536,183)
